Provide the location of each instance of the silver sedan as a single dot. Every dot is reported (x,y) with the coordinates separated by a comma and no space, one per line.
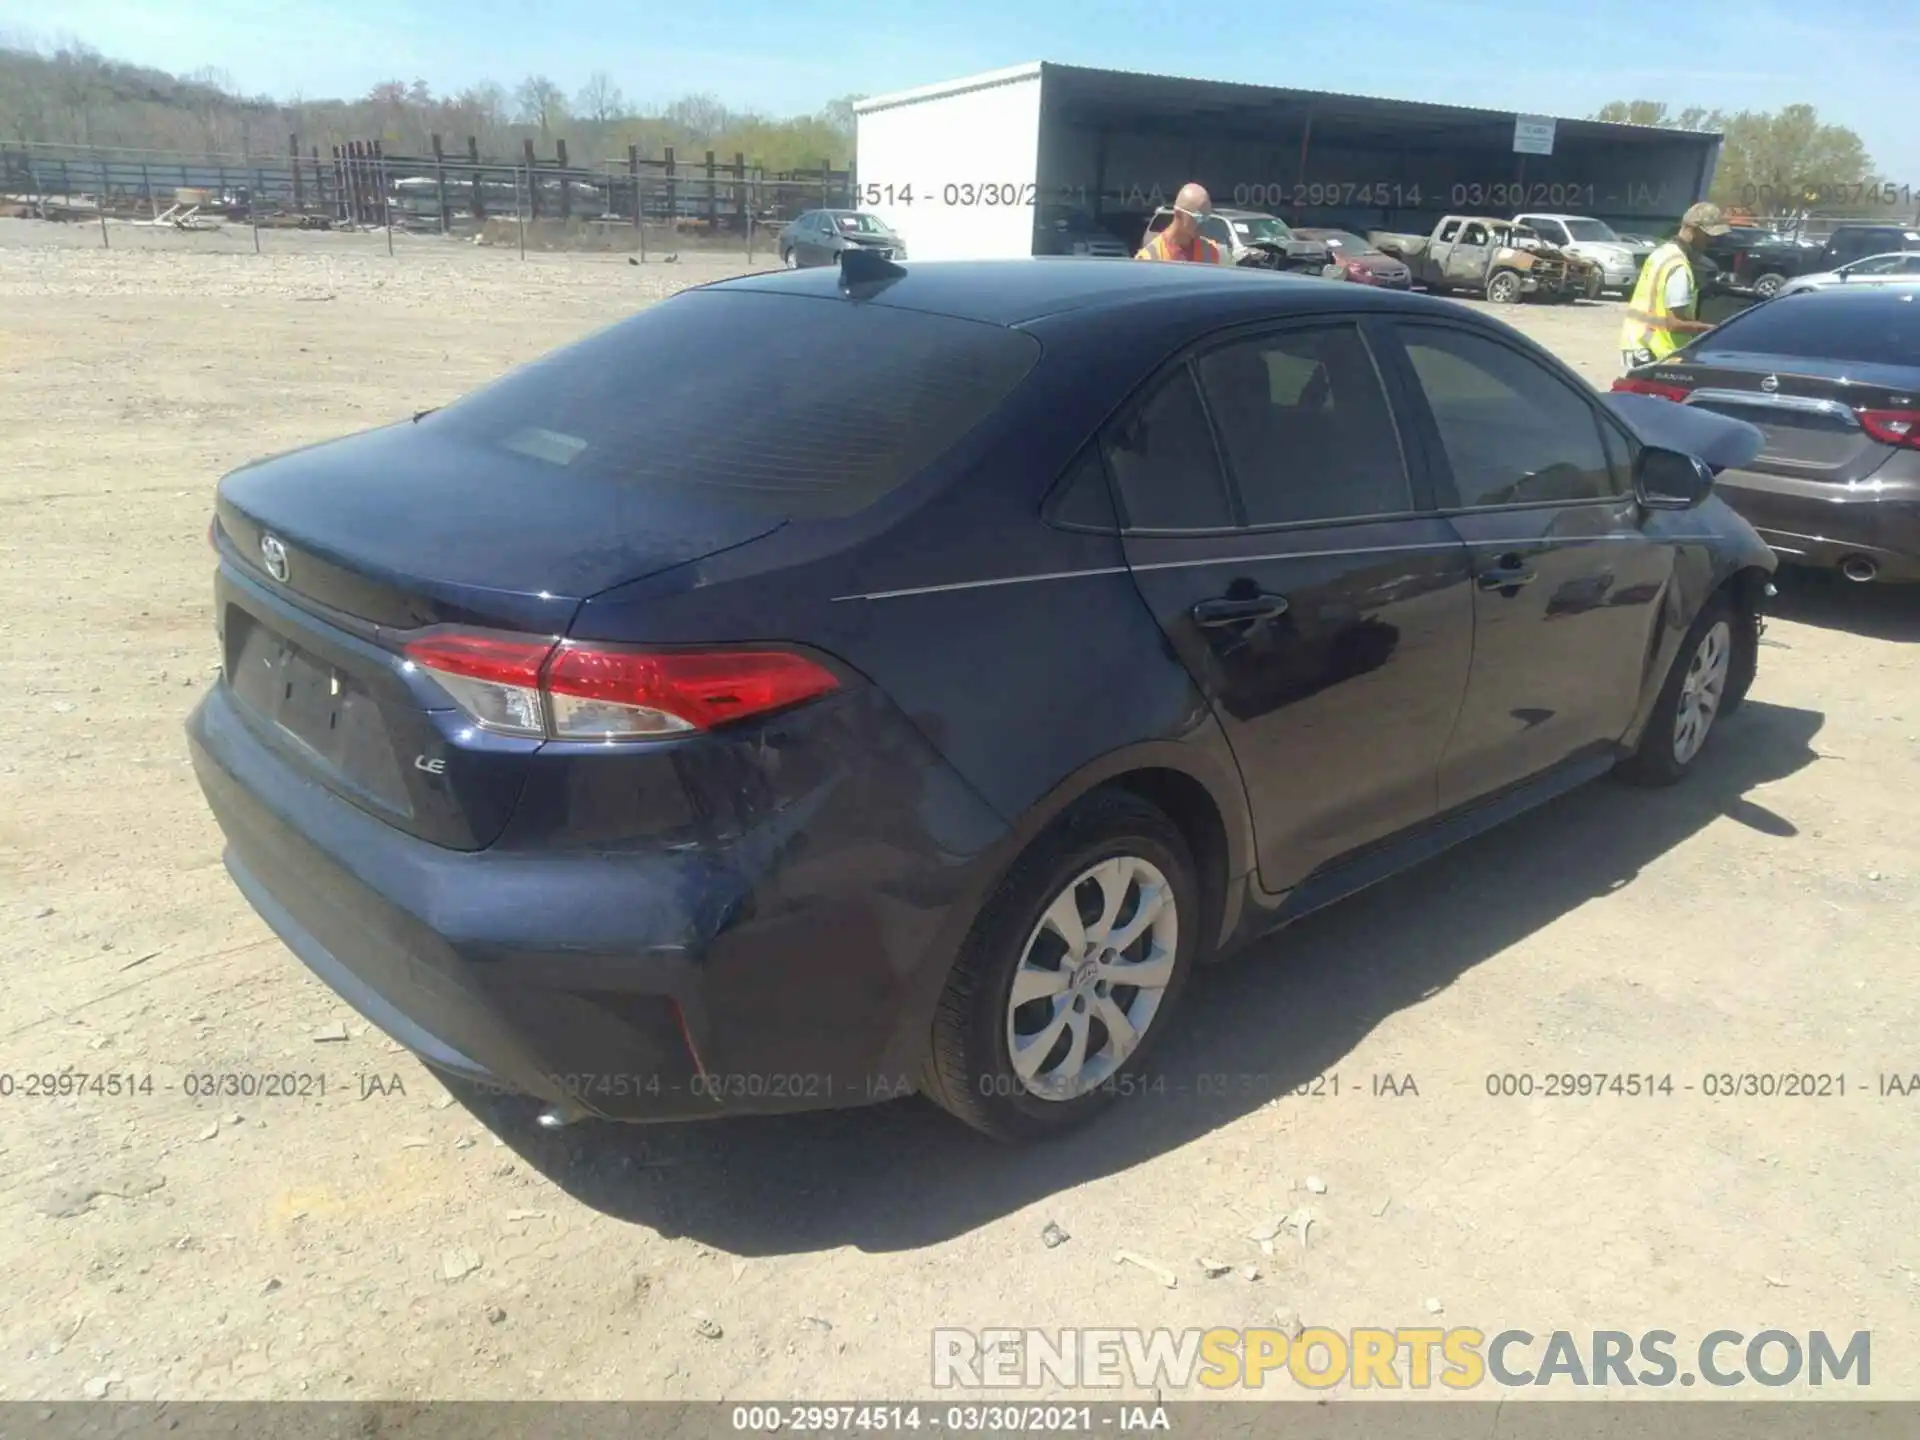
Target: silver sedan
(1872,269)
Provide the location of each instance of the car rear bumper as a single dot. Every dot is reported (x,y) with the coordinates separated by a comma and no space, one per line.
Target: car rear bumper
(1807,523)
(789,968)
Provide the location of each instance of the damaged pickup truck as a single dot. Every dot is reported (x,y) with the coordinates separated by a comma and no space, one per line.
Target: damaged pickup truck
(1504,261)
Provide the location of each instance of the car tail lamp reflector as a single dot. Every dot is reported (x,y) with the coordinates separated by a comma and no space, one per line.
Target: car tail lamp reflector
(562,690)
(1892,427)
(1632,385)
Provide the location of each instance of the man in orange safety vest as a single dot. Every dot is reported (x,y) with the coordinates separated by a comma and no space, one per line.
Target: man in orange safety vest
(1182,240)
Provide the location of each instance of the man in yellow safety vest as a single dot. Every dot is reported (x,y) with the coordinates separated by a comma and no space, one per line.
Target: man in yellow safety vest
(1662,316)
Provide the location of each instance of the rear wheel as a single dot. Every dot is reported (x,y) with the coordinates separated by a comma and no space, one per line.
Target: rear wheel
(1070,973)
(1698,690)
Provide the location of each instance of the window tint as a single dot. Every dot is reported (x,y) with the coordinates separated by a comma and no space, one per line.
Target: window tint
(1877,265)
(1306,427)
(721,396)
(1449,230)
(1879,324)
(1476,235)
(1513,431)
(1164,462)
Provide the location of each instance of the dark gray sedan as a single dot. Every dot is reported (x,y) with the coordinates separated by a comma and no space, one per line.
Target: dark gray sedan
(820,236)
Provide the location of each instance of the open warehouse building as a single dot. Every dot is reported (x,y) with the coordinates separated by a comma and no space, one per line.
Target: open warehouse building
(985,166)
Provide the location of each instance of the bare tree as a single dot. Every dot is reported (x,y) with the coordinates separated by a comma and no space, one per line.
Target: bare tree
(540,102)
(702,116)
(600,99)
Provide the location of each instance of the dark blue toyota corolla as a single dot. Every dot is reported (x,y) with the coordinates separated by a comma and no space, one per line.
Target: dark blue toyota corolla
(826,684)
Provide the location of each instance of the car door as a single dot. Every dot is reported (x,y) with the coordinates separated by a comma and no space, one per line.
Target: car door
(1440,248)
(1536,478)
(1288,547)
(820,239)
(1467,264)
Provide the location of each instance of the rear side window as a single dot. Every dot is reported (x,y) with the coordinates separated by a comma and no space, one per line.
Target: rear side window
(1306,427)
(1164,462)
(1882,330)
(777,404)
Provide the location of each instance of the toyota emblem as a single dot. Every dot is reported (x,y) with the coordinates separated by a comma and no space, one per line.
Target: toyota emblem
(274,555)
(1770,384)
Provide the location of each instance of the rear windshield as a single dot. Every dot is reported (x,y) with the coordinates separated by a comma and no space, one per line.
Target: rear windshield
(778,404)
(1881,330)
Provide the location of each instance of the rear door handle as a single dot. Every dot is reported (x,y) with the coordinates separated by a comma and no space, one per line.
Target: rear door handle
(1237,610)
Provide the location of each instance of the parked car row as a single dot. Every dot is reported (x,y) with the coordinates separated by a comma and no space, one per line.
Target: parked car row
(1752,261)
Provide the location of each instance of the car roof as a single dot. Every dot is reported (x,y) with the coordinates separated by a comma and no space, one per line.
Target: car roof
(1013,292)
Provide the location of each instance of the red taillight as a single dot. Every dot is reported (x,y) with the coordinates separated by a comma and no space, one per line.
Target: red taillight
(1635,386)
(568,691)
(1892,427)
(603,692)
(494,678)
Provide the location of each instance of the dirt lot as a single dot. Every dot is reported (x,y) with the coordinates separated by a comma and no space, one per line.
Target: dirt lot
(381,1241)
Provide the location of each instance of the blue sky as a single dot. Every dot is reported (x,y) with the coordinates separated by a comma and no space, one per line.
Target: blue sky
(791,55)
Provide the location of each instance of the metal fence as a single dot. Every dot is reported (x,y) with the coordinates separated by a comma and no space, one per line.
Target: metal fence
(531,202)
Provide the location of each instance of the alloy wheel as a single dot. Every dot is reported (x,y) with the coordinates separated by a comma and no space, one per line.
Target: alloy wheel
(1702,691)
(1091,978)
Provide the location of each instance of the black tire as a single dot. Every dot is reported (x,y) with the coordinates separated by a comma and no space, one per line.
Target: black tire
(1768,285)
(790,260)
(970,1071)
(1503,287)
(1656,762)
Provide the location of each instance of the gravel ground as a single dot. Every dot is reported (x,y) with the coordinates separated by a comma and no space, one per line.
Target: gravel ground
(385,1241)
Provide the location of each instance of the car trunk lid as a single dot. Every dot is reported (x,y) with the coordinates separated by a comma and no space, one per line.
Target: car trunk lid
(1807,409)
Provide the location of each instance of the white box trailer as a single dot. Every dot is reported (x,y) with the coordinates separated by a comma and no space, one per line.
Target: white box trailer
(954,168)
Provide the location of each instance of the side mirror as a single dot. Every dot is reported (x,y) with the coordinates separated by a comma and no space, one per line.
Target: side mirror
(1670,480)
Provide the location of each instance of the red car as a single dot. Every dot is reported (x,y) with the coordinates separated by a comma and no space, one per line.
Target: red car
(1354,259)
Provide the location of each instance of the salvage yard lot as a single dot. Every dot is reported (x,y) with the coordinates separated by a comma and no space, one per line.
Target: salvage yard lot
(371,1237)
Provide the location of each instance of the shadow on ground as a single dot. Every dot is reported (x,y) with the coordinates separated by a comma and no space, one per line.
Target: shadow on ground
(1828,600)
(1292,1007)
